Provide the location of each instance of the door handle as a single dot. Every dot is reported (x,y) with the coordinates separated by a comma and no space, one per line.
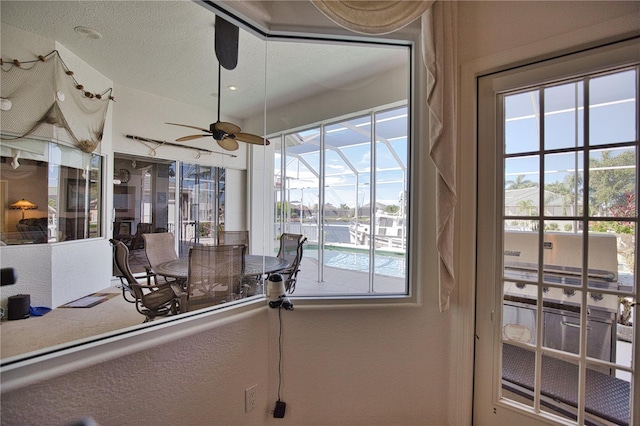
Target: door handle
(570,324)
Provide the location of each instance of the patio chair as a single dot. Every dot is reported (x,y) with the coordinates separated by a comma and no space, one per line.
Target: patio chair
(137,241)
(151,299)
(215,275)
(159,248)
(226,238)
(291,251)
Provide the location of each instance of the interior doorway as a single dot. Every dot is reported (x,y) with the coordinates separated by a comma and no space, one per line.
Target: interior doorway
(144,201)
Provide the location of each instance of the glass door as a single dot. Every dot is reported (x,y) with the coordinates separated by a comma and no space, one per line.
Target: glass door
(143,202)
(557,160)
(201,205)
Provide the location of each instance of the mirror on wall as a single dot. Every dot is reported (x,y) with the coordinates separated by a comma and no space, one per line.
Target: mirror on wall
(159,77)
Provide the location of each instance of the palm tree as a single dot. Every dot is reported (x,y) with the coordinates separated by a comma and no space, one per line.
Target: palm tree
(519,183)
(526,206)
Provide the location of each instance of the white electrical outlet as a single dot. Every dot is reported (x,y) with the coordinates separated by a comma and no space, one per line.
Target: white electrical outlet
(250,398)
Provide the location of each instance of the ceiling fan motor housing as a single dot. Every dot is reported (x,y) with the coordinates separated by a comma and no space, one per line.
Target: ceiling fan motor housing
(217,133)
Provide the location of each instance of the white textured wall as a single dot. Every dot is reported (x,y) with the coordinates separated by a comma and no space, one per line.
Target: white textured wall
(143,114)
(197,380)
(33,279)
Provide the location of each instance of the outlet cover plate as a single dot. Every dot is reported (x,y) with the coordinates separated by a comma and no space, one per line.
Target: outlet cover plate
(250,396)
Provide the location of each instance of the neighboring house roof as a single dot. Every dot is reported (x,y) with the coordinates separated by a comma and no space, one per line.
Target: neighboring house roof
(514,197)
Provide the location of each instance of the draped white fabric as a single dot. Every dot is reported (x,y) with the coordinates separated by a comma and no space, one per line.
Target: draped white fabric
(439,25)
(438,44)
(372,17)
(47,103)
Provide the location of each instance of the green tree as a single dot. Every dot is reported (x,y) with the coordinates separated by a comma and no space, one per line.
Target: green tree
(566,190)
(519,183)
(611,178)
(392,209)
(526,206)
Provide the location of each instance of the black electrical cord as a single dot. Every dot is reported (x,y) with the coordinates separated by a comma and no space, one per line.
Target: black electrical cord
(279,351)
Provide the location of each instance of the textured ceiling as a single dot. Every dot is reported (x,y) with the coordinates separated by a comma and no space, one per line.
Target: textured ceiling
(166,48)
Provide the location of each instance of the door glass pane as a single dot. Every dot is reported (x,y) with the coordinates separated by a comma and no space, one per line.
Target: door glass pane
(563,182)
(518,374)
(559,387)
(522,122)
(614,409)
(521,255)
(202,205)
(563,116)
(561,330)
(562,261)
(519,313)
(613,108)
(522,186)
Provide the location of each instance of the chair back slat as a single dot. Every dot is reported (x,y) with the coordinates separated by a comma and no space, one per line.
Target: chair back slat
(159,248)
(121,258)
(150,299)
(291,249)
(215,274)
(289,246)
(232,238)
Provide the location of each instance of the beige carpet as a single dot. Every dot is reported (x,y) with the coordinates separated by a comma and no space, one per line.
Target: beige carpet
(63,325)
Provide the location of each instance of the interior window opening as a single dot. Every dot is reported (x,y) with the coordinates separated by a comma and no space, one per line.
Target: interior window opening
(50,193)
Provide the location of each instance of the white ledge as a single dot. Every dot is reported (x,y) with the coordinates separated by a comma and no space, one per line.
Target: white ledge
(19,372)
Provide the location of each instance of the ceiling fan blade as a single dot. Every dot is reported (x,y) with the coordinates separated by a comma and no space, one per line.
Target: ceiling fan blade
(191,137)
(229,144)
(191,127)
(226,43)
(228,128)
(254,139)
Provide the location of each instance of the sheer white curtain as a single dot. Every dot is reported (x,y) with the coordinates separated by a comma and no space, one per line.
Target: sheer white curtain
(438,19)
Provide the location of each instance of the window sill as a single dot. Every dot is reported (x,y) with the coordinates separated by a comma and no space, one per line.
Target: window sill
(355,302)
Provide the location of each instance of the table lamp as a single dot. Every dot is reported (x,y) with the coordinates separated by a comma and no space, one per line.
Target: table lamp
(23,205)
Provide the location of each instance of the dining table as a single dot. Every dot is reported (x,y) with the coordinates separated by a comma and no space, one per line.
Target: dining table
(254,265)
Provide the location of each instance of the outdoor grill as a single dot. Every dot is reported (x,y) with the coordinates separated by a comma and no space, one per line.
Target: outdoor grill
(562,270)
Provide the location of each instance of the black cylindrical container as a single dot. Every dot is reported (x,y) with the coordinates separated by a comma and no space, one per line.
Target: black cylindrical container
(18,307)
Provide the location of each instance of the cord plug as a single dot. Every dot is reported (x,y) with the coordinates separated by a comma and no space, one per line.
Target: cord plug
(278,412)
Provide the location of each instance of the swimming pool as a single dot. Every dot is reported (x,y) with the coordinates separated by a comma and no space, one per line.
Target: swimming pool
(389,264)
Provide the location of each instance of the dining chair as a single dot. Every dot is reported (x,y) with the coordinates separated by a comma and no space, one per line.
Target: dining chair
(137,241)
(151,300)
(215,275)
(291,251)
(159,248)
(233,238)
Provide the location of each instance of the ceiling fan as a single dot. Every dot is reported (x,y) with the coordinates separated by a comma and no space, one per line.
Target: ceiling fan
(226,134)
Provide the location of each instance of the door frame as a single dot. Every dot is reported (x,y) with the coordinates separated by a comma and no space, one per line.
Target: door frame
(486,406)
(463,309)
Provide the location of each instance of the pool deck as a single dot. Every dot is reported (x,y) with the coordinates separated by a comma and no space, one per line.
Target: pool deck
(342,282)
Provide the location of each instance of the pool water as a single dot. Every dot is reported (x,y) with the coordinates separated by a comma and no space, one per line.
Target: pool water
(388,265)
